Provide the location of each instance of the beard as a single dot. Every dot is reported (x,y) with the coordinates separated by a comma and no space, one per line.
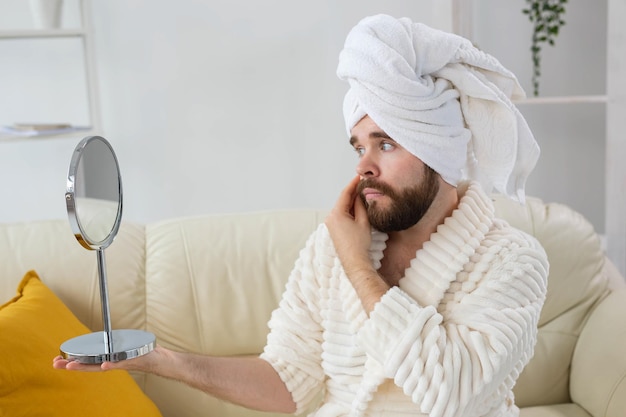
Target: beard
(407,207)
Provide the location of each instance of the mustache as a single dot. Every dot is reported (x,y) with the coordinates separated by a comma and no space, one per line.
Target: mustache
(377,185)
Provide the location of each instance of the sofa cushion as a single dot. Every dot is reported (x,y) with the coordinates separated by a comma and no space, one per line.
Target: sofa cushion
(32,327)
(599,364)
(557,410)
(575,285)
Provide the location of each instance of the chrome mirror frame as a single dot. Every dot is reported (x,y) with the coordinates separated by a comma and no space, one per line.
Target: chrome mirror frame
(70,197)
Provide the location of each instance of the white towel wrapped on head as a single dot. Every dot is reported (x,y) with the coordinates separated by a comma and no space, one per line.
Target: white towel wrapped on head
(442,99)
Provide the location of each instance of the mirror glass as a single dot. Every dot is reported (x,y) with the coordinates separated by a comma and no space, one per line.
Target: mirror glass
(94,196)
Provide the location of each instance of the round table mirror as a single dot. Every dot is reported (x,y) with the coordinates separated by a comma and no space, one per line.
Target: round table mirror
(94,193)
(94,206)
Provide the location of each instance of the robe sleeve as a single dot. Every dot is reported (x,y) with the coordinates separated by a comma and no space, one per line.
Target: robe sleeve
(294,343)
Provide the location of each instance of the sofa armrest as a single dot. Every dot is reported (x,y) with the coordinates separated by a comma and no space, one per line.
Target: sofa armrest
(598,375)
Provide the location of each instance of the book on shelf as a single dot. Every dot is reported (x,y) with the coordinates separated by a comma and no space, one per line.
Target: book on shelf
(40,129)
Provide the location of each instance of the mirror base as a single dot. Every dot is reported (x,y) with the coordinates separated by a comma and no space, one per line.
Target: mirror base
(90,348)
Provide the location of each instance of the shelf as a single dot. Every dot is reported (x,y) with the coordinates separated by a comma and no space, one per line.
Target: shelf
(34,33)
(73,134)
(563,99)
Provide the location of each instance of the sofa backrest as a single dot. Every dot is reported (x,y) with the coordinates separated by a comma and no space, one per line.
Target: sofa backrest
(49,247)
(214,280)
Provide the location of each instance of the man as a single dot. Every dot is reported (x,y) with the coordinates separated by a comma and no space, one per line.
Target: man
(412,298)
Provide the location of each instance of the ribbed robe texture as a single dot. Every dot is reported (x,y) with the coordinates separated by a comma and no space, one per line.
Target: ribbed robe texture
(450,340)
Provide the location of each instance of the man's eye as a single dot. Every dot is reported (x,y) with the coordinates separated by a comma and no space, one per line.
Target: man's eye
(359,151)
(386,146)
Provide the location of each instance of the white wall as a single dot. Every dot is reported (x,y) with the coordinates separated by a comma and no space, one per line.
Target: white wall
(212,106)
(221,106)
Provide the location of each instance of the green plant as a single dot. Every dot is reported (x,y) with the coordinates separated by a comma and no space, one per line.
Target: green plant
(547,21)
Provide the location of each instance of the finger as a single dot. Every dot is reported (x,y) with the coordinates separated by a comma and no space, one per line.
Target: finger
(352,185)
(109,366)
(77,366)
(59,363)
(360,212)
(348,194)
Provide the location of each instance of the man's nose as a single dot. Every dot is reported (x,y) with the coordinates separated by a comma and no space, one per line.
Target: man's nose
(367,167)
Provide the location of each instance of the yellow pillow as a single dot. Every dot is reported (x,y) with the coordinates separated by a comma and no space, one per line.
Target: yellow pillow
(32,327)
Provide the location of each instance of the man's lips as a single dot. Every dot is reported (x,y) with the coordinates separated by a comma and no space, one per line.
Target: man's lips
(371,193)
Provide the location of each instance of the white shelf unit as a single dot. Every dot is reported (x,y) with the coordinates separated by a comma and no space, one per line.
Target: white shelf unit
(85,34)
(614,102)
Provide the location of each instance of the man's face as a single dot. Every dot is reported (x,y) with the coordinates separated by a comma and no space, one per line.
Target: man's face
(396,187)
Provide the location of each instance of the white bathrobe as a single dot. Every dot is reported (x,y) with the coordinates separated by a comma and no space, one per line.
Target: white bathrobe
(450,340)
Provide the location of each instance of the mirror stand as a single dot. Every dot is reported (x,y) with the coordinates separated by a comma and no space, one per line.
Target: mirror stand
(95,211)
(104,298)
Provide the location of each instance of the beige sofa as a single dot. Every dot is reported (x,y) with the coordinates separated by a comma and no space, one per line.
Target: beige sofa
(208,284)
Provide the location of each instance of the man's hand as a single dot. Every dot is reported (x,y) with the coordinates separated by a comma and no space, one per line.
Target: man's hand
(349,228)
(351,234)
(144,363)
